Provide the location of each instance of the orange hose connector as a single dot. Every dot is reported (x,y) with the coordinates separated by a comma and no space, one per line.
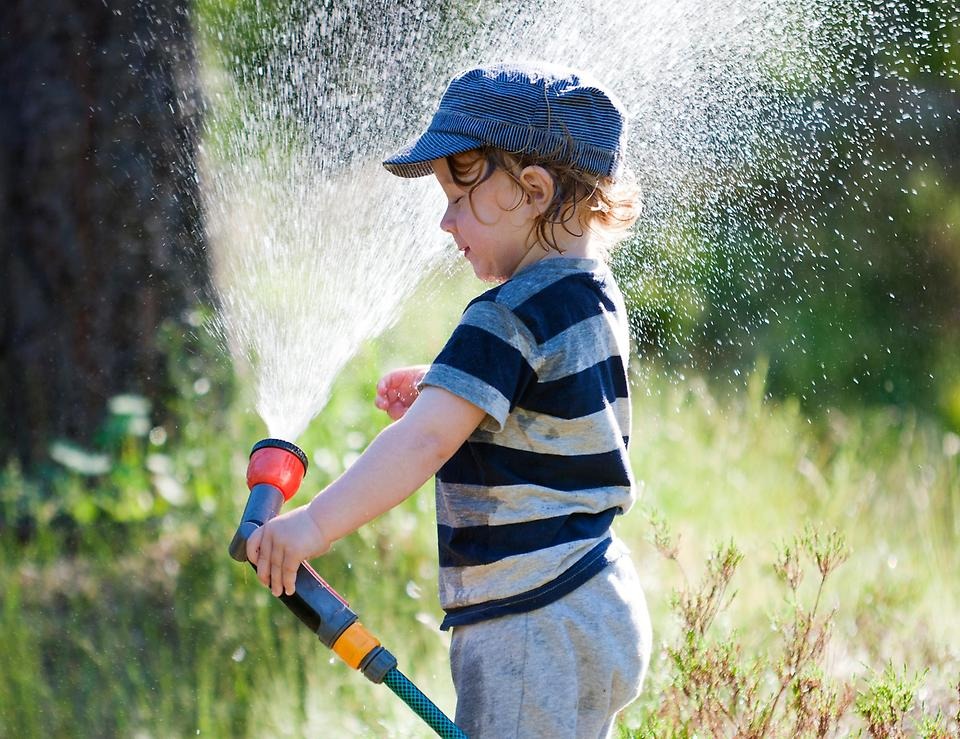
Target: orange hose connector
(354,644)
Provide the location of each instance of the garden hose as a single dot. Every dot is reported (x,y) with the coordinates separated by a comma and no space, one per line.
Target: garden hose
(274,474)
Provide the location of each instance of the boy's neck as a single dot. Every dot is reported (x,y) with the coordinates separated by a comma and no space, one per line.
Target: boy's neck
(571,246)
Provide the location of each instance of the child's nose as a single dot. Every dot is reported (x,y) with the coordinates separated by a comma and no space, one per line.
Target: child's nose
(448,223)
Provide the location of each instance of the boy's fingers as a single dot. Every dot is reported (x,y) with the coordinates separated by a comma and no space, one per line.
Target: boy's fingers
(276,572)
(290,578)
(263,559)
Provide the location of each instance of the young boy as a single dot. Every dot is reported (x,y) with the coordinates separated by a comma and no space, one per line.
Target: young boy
(524,416)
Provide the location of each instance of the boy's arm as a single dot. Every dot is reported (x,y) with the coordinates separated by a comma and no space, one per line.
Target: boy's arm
(395,464)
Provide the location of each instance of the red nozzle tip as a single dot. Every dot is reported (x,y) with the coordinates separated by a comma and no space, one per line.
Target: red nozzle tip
(278,463)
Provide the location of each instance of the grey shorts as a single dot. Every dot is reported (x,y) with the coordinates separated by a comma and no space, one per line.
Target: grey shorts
(564,670)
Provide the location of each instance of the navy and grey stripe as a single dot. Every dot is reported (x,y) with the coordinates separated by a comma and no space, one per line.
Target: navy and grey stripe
(482,545)
(582,393)
(597,558)
(469,587)
(553,435)
(470,350)
(493,465)
(563,312)
(476,505)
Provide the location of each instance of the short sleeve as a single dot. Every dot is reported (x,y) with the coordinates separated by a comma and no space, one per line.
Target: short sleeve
(489,360)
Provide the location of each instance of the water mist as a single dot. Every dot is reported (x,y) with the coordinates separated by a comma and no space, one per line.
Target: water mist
(316,247)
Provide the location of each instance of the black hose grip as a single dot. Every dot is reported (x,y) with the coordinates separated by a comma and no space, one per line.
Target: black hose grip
(318,607)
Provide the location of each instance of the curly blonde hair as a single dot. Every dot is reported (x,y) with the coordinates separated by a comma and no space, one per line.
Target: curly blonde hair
(608,206)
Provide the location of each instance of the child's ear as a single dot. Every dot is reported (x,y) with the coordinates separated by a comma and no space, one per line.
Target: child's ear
(538,187)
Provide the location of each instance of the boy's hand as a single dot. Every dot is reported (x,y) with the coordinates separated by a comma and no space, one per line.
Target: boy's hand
(397,390)
(278,547)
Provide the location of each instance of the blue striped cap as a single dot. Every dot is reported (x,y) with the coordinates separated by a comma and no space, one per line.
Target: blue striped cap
(522,108)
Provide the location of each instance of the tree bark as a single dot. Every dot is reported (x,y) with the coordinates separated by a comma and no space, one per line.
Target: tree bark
(99,209)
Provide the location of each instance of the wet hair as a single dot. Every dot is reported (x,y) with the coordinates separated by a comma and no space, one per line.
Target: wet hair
(580,200)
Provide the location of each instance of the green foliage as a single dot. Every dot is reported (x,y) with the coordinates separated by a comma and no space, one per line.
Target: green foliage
(755,471)
(838,264)
(716,686)
(873,306)
(885,702)
(715,689)
(244,34)
(23,684)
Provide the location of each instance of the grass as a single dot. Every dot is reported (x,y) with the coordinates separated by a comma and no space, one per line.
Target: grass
(124,616)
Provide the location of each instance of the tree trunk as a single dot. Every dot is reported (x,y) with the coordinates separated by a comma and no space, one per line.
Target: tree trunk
(99,215)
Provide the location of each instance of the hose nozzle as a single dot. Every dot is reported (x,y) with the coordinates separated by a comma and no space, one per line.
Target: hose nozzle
(274,474)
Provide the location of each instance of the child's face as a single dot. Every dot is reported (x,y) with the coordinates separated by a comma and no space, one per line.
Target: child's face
(495,233)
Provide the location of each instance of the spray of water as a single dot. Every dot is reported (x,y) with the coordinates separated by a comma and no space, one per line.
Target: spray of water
(316,247)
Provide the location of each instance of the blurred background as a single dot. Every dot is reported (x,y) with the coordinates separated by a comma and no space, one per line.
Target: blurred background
(794,290)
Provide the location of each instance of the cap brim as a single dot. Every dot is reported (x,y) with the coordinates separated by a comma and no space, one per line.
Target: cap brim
(414,159)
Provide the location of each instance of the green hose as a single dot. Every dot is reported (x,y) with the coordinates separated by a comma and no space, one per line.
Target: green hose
(421,705)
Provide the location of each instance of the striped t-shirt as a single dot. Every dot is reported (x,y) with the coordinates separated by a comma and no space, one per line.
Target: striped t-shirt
(524,506)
